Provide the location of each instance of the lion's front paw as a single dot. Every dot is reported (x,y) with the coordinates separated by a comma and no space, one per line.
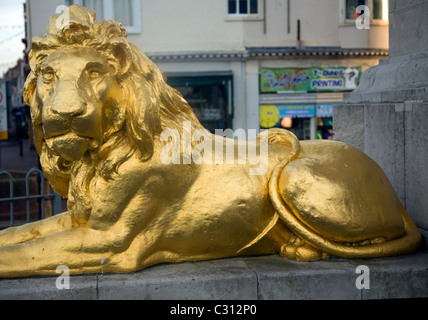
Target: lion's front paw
(298,249)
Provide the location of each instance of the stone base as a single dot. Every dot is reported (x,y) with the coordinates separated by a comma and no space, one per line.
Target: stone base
(242,278)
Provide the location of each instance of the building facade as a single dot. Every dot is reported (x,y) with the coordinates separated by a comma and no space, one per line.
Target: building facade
(250,64)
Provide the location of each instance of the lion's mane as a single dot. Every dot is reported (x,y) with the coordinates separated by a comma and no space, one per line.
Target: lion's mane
(146,108)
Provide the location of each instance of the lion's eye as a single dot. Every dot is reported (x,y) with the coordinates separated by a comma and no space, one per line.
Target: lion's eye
(48,76)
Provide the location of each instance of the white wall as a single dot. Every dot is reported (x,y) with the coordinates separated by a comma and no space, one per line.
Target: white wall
(191,25)
(38,14)
(195,25)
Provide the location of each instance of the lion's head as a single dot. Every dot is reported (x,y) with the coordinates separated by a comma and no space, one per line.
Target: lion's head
(92,91)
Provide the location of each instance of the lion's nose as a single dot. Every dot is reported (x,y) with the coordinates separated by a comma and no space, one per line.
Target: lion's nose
(66,100)
(69,111)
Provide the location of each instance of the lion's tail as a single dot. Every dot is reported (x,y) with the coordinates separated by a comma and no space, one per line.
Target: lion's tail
(408,242)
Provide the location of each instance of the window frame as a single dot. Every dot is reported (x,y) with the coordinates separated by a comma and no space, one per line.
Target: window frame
(368,3)
(381,20)
(224,79)
(243,15)
(230,17)
(108,13)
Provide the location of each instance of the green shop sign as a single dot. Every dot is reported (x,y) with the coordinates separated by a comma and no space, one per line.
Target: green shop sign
(309,79)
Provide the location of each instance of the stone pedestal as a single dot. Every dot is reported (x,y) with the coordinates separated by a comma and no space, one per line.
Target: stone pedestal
(387,115)
(241,278)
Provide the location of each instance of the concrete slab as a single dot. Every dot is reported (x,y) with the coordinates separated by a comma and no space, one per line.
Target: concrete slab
(44,288)
(243,278)
(285,279)
(396,278)
(229,279)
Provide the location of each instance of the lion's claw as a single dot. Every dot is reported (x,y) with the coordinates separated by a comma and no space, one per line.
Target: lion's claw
(300,250)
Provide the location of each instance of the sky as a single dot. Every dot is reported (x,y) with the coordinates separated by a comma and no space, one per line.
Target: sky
(11,33)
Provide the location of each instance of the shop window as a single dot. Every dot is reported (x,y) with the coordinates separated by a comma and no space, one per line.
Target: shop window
(209,97)
(127,12)
(306,121)
(293,117)
(242,7)
(301,127)
(324,125)
(325,128)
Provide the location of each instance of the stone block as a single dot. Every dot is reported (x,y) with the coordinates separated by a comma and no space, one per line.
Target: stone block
(44,288)
(348,124)
(241,278)
(392,96)
(280,279)
(396,277)
(384,142)
(204,280)
(352,98)
(408,15)
(416,162)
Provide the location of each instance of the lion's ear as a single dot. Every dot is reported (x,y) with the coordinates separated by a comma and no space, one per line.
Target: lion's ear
(122,56)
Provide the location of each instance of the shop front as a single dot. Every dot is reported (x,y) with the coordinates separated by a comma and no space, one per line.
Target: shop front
(302,99)
(295,117)
(209,95)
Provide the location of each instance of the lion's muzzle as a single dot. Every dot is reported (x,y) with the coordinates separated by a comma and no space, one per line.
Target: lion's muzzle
(72,119)
(71,131)
(70,146)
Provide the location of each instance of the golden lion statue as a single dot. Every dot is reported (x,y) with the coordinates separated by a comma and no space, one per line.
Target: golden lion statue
(100,109)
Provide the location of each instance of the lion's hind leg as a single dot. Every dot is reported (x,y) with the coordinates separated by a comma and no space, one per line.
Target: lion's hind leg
(298,249)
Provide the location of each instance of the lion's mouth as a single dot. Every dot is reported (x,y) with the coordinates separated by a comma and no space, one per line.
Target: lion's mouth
(71,147)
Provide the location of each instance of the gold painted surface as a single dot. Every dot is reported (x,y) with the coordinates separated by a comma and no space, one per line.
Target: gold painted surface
(100,109)
(349,186)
